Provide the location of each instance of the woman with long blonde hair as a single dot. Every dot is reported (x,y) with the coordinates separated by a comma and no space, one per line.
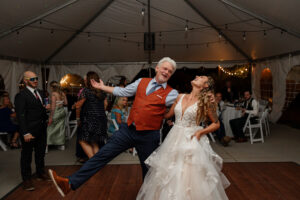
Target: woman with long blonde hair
(56,124)
(185,166)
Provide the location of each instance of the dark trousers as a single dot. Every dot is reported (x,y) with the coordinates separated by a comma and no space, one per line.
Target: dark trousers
(220,133)
(126,137)
(237,126)
(38,144)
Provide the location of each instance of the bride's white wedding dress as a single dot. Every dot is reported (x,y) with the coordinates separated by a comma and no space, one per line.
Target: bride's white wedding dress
(183,168)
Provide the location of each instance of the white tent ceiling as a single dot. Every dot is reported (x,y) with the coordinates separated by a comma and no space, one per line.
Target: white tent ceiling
(96,31)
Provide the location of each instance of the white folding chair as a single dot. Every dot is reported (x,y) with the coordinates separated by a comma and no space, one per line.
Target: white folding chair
(67,125)
(254,128)
(2,144)
(266,122)
(73,124)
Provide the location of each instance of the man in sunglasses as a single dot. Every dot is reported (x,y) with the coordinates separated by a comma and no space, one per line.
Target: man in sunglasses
(31,115)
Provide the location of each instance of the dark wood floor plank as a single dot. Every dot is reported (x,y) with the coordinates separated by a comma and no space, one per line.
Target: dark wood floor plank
(249,181)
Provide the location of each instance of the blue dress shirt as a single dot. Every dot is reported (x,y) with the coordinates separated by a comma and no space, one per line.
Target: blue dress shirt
(130,90)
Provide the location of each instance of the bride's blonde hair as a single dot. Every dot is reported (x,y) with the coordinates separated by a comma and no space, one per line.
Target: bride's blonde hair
(206,102)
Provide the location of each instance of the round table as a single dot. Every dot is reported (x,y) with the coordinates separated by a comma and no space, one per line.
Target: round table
(228,114)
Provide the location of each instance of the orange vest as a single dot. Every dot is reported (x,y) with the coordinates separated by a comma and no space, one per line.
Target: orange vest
(147,112)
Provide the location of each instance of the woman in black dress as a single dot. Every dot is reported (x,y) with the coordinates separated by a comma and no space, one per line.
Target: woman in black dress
(93,121)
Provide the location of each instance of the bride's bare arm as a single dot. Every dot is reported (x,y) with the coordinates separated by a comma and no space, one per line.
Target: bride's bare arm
(212,115)
(170,113)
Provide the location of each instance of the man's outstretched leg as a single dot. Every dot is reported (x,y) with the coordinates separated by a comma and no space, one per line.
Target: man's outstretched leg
(120,141)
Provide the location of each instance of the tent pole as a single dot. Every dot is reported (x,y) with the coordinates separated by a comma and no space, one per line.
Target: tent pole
(149,33)
(31,21)
(218,30)
(288,30)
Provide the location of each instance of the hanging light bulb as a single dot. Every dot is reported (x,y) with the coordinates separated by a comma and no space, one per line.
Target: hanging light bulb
(41,22)
(160,36)
(265,33)
(220,35)
(244,35)
(143,12)
(186,28)
(125,35)
(52,31)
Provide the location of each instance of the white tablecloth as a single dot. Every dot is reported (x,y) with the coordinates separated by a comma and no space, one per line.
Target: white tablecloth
(228,114)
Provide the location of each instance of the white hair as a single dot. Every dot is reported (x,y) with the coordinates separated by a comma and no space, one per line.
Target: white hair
(169,60)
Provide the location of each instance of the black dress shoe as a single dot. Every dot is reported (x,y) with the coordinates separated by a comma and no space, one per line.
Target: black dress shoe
(28,185)
(43,177)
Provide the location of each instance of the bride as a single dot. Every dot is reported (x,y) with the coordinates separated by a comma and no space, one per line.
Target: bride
(185,167)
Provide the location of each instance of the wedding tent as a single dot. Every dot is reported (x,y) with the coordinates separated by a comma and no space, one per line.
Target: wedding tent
(107,36)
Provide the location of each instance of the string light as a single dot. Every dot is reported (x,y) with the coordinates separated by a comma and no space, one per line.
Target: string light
(186,28)
(244,35)
(125,35)
(143,12)
(220,35)
(240,71)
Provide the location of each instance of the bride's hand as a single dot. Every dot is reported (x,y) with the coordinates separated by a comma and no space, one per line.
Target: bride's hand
(197,135)
(97,85)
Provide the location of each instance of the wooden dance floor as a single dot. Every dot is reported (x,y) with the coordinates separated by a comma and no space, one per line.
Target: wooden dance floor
(249,181)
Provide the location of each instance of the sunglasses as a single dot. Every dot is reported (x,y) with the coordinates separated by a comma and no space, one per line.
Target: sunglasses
(33,79)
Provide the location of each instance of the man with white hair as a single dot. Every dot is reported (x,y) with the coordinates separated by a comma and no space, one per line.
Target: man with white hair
(152,97)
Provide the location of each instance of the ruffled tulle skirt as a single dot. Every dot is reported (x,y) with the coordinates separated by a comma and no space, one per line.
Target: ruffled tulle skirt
(184,169)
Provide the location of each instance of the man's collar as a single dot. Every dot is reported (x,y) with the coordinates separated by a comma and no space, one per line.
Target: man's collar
(30,88)
(164,85)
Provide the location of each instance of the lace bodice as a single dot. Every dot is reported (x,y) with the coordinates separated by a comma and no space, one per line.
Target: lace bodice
(188,119)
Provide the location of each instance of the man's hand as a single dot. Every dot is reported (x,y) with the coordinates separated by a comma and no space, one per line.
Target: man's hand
(28,137)
(170,123)
(97,85)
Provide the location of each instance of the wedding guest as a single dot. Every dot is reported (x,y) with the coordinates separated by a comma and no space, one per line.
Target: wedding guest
(56,124)
(32,119)
(117,112)
(229,93)
(220,133)
(250,106)
(6,123)
(93,121)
